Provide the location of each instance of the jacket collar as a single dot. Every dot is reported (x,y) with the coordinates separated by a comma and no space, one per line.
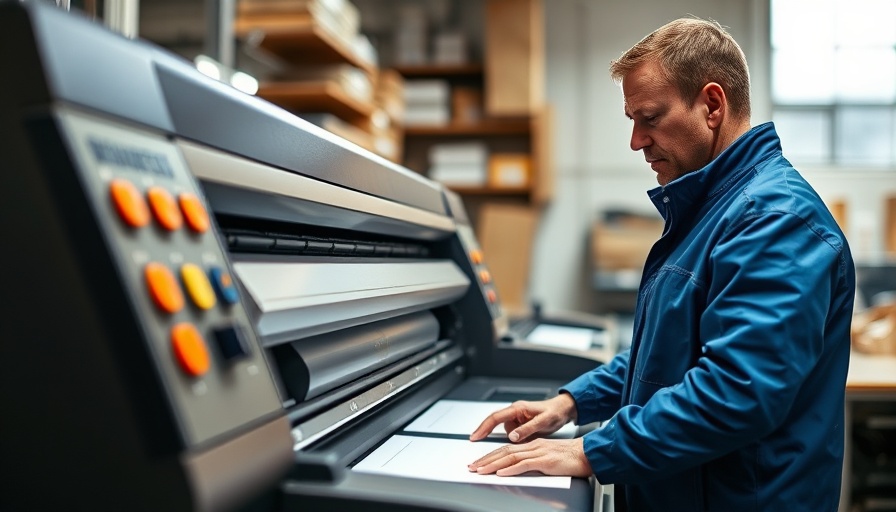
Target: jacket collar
(694,188)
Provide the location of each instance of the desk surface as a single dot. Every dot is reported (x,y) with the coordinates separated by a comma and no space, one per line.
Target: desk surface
(871,373)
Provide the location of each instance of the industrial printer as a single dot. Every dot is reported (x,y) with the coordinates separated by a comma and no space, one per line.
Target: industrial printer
(210,304)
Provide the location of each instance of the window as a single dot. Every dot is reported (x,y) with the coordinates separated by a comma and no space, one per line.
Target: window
(834,81)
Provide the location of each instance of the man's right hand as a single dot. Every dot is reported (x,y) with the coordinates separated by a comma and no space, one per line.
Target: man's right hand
(523,420)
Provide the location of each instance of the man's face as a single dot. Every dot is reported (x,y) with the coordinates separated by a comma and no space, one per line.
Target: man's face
(674,136)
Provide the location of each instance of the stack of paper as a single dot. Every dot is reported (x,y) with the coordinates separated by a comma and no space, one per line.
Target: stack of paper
(460,163)
(435,446)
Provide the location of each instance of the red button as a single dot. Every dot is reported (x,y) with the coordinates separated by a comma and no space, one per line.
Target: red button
(476,256)
(491,296)
(129,203)
(189,349)
(163,287)
(194,212)
(164,208)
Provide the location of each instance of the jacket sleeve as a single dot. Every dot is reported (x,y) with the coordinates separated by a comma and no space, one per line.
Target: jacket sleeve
(598,393)
(762,332)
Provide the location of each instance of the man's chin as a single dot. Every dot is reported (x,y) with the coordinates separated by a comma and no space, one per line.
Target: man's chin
(663,178)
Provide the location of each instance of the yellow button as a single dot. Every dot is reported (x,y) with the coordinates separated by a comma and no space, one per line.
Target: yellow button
(163,287)
(164,208)
(189,349)
(476,256)
(194,212)
(129,203)
(485,276)
(198,286)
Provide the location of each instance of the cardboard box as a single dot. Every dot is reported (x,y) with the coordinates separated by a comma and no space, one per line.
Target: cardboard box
(838,210)
(623,244)
(506,233)
(466,104)
(509,170)
(514,57)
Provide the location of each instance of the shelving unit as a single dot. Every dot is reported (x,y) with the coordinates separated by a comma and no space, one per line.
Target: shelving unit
(483,128)
(516,134)
(302,43)
(472,70)
(520,127)
(317,96)
(303,40)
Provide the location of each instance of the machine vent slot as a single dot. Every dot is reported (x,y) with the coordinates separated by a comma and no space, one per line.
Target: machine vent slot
(241,241)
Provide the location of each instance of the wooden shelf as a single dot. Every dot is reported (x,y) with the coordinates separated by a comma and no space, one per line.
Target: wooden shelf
(302,43)
(440,70)
(316,97)
(484,128)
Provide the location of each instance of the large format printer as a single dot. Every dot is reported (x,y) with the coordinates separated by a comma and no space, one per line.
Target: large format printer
(210,304)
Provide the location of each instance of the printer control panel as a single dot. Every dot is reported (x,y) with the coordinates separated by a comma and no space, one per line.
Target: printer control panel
(158,228)
(482,275)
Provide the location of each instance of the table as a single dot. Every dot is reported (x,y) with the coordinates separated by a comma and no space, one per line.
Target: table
(870,378)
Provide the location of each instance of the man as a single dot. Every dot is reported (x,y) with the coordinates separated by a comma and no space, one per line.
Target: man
(731,396)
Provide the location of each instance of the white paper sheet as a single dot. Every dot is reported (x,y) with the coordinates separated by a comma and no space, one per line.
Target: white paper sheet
(445,460)
(461,417)
(561,336)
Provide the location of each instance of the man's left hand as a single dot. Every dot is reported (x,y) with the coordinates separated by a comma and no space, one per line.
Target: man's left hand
(558,457)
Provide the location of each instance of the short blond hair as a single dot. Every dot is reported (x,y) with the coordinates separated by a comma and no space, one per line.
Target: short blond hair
(693,52)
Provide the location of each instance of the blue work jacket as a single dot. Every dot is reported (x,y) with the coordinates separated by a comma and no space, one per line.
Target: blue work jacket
(731,396)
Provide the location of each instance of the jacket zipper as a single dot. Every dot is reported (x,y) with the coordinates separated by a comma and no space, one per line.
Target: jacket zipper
(647,290)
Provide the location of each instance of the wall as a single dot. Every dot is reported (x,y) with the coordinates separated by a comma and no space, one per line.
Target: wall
(596,170)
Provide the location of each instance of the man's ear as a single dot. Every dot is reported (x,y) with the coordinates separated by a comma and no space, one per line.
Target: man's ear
(714,98)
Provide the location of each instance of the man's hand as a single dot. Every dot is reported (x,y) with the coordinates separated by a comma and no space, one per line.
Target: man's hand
(523,420)
(558,457)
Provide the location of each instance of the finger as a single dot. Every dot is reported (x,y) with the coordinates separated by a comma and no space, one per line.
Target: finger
(494,455)
(492,460)
(511,425)
(505,460)
(523,465)
(488,458)
(530,428)
(493,420)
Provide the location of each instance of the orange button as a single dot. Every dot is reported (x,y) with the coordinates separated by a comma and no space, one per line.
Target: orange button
(129,203)
(164,208)
(189,349)
(485,276)
(491,296)
(198,287)
(476,256)
(163,287)
(194,212)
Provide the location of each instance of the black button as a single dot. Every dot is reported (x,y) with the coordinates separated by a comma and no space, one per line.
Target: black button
(232,342)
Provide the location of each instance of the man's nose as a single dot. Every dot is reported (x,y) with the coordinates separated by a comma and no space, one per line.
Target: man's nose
(639,140)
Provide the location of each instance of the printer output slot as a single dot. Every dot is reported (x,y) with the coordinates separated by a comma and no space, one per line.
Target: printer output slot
(312,366)
(297,298)
(302,411)
(358,399)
